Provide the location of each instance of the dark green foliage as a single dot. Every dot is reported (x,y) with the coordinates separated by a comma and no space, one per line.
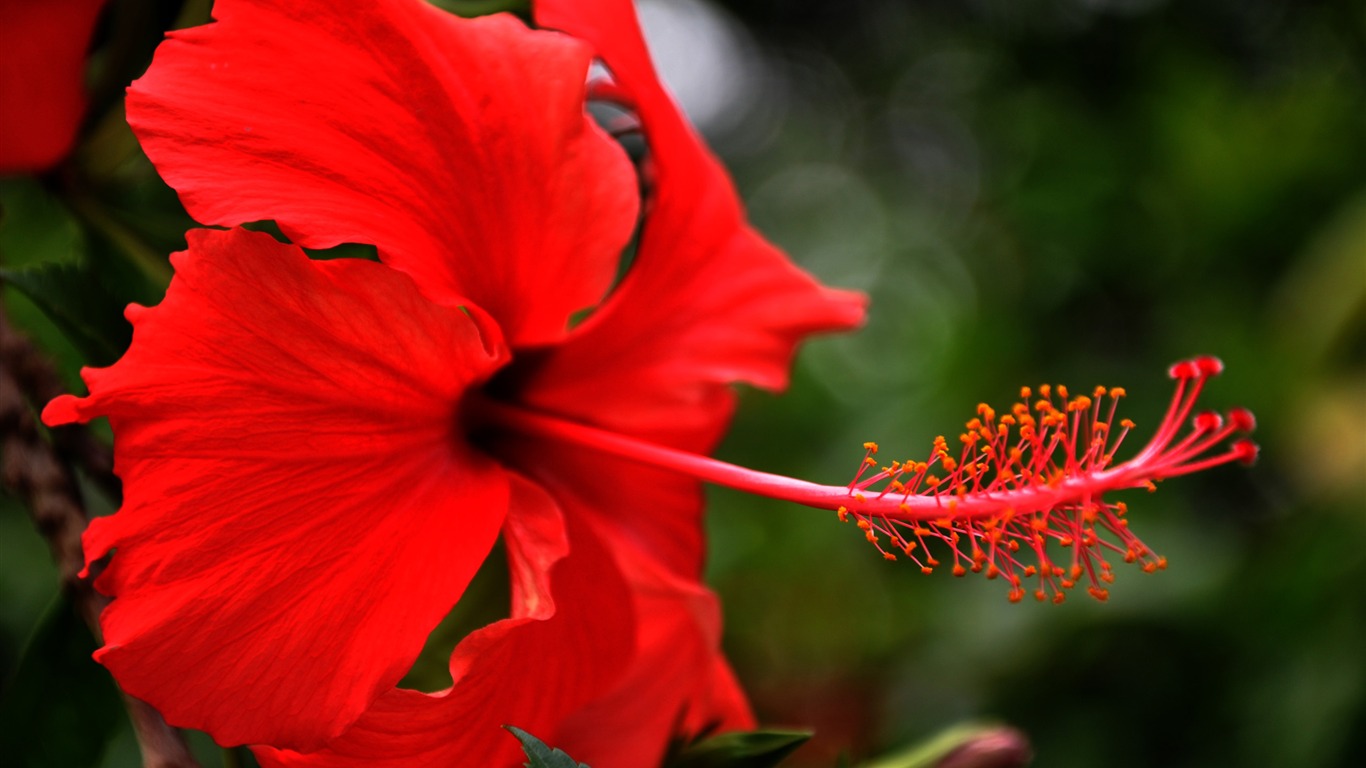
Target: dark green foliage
(70,295)
(753,749)
(60,708)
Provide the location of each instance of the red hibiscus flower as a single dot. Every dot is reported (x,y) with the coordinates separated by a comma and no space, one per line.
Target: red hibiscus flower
(318,455)
(42,79)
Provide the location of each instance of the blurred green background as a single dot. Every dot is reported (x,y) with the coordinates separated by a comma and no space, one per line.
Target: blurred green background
(1076,191)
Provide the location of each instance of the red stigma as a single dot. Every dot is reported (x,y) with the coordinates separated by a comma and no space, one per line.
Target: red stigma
(1024,497)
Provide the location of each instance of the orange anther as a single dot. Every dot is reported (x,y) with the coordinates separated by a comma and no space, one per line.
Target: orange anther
(1057,471)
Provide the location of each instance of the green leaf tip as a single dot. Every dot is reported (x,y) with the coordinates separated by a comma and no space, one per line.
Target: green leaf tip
(742,749)
(539,755)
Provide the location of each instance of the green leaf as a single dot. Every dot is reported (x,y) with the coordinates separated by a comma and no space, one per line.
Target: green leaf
(35,227)
(74,298)
(60,709)
(752,749)
(539,754)
(472,8)
(66,272)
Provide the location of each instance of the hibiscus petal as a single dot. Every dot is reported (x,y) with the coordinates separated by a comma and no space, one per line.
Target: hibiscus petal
(42,79)
(613,28)
(568,641)
(706,303)
(655,510)
(299,512)
(678,669)
(678,665)
(459,147)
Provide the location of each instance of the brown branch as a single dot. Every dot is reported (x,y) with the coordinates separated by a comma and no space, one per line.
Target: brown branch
(31,469)
(38,380)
